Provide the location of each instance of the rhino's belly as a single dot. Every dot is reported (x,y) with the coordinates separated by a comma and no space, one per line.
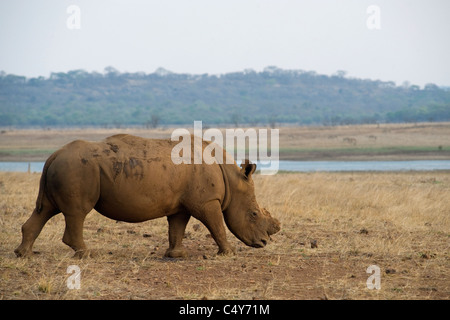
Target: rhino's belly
(132,211)
(136,204)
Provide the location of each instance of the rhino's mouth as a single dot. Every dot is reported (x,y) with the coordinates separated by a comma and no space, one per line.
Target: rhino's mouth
(259,244)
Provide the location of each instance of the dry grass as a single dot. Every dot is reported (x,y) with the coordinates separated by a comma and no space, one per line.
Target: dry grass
(383,142)
(368,135)
(38,144)
(398,221)
(367,142)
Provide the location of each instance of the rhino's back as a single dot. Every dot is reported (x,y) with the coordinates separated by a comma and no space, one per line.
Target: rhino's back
(123,177)
(139,179)
(130,178)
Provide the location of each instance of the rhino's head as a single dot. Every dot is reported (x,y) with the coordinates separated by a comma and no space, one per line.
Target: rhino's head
(249,222)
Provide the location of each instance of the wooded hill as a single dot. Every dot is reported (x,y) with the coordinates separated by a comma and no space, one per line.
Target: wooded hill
(272,96)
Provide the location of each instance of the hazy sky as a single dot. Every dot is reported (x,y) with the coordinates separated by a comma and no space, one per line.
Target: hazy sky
(218,36)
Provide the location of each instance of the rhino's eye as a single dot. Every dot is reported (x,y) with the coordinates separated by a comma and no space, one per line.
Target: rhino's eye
(254,214)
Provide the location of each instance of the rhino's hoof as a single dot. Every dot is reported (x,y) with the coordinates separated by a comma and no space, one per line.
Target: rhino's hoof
(21,253)
(81,254)
(175,253)
(227,252)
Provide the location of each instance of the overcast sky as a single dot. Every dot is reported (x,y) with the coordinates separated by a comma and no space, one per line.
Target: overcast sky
(218,36)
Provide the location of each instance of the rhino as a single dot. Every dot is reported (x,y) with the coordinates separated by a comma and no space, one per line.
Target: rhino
(133,179)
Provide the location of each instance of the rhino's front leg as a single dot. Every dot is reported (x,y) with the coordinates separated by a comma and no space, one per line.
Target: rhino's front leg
(212,217)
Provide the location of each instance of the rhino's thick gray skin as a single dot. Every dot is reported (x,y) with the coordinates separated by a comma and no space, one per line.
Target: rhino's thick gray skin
(133,179)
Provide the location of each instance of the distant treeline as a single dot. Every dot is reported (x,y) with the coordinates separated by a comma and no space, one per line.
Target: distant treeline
(272,96)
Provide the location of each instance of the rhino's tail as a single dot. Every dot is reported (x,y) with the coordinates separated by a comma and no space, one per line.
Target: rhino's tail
(43,182)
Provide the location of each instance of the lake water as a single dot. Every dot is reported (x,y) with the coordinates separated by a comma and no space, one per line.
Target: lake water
(417,165)
(301,166)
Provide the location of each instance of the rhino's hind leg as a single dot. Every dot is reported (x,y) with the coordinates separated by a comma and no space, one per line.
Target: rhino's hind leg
(31,229)
(177,226)
(73,234)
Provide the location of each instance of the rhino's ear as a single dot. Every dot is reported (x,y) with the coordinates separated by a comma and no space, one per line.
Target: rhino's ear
(247,168)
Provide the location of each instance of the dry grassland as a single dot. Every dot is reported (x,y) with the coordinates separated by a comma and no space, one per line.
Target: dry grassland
(359,142)
(334,226)
(367,142)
